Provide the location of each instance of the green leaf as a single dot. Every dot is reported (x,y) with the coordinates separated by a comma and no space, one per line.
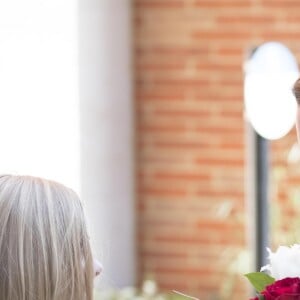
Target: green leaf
(261,297)
(259,280)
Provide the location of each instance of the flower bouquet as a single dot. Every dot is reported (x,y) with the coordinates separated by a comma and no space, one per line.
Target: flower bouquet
(283,279)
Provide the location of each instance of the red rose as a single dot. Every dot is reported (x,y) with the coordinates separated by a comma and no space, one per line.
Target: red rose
(284,289)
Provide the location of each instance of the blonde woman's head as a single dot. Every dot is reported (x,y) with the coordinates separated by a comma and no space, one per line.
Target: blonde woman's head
(44,247)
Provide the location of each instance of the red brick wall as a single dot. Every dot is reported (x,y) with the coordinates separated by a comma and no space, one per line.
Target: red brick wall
(285,193)
(191,136)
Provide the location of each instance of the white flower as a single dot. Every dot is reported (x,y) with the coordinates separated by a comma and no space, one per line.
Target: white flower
(285,262)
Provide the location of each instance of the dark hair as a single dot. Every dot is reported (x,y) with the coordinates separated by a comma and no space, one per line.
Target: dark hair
(296,90)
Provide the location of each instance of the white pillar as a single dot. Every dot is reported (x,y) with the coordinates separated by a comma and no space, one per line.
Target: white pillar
(107,135)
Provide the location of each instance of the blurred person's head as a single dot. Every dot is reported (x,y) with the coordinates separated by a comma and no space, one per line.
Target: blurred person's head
(45,252)
(296,91)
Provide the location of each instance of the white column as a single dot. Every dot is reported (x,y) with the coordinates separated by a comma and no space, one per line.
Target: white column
(107,135)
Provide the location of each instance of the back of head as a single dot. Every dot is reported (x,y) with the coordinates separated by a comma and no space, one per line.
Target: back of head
(296,90)
(44,248)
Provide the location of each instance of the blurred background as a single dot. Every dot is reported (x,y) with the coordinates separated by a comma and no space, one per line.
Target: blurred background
(138,106)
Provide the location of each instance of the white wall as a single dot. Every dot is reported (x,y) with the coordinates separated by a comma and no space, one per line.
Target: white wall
(39,123)
(106,110)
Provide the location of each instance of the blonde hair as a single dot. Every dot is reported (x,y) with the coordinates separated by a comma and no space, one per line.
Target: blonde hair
(44,247)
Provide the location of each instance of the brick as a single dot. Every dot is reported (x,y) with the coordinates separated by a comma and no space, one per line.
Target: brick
(171,66)
(159,4)
(225,36)
(242,20)
(230,4)
(157,95)
(181,176)
(190,136)
(282,3)
(168,51)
